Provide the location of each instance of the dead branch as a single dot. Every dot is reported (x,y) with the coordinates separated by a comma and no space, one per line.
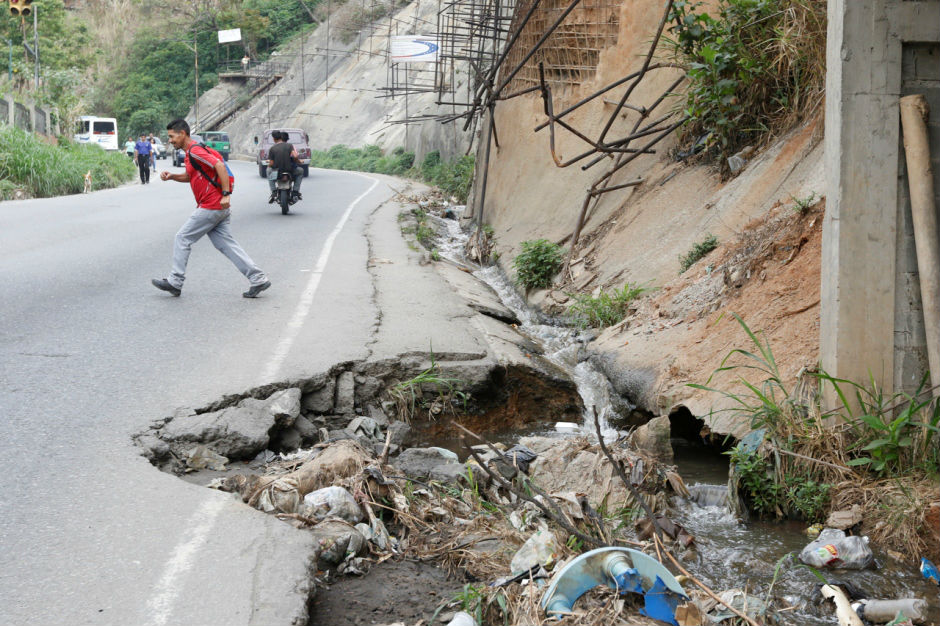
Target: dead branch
(556,515)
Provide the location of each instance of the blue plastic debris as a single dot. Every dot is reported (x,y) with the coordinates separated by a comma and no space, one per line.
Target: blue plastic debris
(623,569)
(929,570)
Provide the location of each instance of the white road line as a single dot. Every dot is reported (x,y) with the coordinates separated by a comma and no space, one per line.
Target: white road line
(200,524)
(269,373)
(160,605)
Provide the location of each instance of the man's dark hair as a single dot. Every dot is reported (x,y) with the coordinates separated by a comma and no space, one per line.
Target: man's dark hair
(277,135)
(179,125)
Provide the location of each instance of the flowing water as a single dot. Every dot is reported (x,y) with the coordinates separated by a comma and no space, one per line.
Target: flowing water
(729,554)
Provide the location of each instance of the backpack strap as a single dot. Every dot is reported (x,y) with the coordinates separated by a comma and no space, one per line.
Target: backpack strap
(198,167)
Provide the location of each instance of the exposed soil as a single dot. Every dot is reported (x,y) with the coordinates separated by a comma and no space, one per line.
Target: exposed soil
(394,591)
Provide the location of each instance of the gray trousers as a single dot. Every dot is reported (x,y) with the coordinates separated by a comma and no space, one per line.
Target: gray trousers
(216,225)
(298,176)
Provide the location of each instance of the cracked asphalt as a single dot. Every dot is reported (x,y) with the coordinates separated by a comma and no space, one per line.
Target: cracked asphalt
(91,353)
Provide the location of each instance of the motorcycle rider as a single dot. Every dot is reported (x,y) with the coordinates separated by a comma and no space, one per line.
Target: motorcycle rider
(282,157)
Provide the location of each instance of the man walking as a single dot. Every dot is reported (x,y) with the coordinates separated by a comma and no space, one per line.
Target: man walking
(142,151)
(208,177)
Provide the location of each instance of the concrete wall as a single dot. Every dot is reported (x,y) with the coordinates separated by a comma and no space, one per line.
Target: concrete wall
(25,115)
(868,305)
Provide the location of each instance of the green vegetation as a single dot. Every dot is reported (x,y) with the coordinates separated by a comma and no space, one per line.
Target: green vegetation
(538,263)
(367,159)
(422,230)
(698,251)
(409,395)
(754,68)
(802,205)
(43,170)
(886,436)
(605,309)
(795,496)
(453,178)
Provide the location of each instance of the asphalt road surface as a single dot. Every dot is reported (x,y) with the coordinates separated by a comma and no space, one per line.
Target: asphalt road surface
(91,353)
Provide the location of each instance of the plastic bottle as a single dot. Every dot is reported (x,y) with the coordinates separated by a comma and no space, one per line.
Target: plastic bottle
(929,570)
(883,611)
(834,549)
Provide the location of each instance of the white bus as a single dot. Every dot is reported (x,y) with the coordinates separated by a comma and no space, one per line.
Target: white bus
(101,131)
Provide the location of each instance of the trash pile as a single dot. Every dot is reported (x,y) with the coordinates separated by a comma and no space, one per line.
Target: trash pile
(551,531)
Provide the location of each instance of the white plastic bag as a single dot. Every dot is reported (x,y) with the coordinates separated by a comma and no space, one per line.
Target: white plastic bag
(332,502)
(834,549)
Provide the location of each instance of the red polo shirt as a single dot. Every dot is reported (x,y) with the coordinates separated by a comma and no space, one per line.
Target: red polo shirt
(208,196)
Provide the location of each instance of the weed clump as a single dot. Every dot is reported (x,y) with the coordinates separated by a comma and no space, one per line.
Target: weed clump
(605,309)
(753,69)
(697,252)
(538,263)
(44,170)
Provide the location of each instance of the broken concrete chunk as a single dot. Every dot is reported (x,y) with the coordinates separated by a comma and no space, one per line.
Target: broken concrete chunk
(321,400)
(238,432)
(654,437)
(448,473)
(378,415)
(287,440)
(346,393)
(154,448)
(400,432)
(367,388)
(283,405)
(418,463)
(306,429)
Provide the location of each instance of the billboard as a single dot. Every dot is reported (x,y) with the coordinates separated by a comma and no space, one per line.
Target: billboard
(229,36)
(413,49)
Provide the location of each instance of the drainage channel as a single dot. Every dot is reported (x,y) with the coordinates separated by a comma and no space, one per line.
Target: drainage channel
(729,554)
(276,445)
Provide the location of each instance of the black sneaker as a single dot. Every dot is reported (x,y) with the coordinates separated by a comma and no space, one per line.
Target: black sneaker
(164,285)
(297,196)
(273,198)
(256,289)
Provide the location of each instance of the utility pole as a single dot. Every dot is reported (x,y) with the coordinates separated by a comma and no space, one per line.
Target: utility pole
(196,53)
(36,42)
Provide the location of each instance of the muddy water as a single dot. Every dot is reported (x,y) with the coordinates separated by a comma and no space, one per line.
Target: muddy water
(729,554)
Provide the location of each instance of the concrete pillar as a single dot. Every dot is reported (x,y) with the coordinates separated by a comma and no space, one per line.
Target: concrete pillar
(870,312)
(858,263)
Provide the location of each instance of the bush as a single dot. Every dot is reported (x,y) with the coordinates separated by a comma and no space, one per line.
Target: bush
(698,251)
(538,263)
(754,69)
(453,178)
(605,309)
(44,170)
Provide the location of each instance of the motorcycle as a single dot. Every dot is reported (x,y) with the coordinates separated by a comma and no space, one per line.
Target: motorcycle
(283,187)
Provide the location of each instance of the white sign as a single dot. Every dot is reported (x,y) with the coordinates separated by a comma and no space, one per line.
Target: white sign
(228,36)
(414,49)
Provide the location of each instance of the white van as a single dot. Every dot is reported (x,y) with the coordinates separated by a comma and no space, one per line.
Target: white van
(101,131)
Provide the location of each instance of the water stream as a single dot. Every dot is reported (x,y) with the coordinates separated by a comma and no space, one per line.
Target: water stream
(729,554)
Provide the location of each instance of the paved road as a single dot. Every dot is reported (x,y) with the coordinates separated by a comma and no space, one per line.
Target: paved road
(90,353)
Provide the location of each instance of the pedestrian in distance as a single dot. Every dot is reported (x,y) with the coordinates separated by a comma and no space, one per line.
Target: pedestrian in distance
(142,151)
(129,148)
(153,153)
(211,183)
(245,62)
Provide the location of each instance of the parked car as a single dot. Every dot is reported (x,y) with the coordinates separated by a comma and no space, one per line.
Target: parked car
(296,136)
(159,148)
(218,140)
(179,156)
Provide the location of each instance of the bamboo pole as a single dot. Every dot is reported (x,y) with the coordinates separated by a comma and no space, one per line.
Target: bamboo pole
(914,114)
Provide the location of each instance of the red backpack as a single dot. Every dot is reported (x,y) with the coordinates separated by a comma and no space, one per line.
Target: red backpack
(212,179)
